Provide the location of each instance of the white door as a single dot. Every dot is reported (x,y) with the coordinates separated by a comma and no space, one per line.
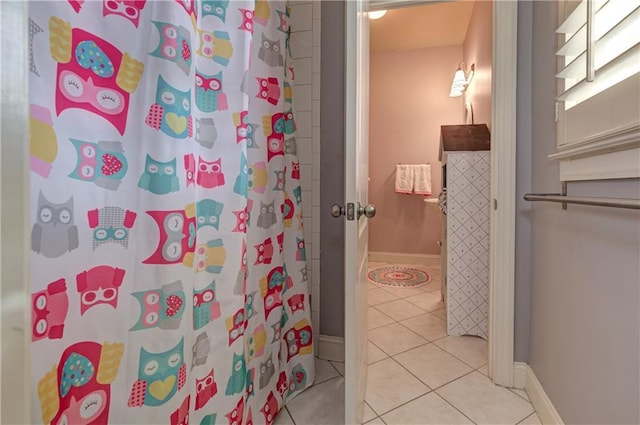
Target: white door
(356,185)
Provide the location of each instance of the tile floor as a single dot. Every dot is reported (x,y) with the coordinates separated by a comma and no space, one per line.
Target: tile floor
(417,374)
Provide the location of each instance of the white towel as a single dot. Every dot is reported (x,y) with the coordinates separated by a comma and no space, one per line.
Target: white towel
(404,178)
(422,179)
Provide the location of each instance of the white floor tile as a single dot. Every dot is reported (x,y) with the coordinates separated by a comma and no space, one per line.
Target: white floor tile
(379,296)
(389,385)
(324,371)
(368,414)
(441,313)
(374,354)
(339,367)
(470,349)
(520,393)
(432,365)
(429,301)
(428,409)
(376,318)
(376,421)
(484,370)
(283,418)
(404,292)
(399,309)
(483,402)
(320,404)
(395,338)
(428,326)
(433,286)
(531,420)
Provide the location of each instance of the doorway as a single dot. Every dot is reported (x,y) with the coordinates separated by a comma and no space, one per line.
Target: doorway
(414,53)
(502,196)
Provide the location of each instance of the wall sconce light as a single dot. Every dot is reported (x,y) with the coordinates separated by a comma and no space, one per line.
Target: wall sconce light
(377,14)
(461,79)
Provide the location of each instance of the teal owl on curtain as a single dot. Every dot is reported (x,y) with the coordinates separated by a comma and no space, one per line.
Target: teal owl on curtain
(237,380)
(208,213)
(102,163)
(160,376)
(241,185)
(159,177)
(217,8)
(209,92)
(174,45)
(161,308)
(171,112)
(205,306)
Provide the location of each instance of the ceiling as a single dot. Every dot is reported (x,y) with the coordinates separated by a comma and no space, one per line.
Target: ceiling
(418,27)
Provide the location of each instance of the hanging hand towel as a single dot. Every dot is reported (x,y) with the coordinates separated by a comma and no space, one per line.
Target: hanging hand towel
(404,178)
(422,179)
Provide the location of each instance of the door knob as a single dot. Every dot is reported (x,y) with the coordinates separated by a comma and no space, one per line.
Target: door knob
(368,210)
(337,210)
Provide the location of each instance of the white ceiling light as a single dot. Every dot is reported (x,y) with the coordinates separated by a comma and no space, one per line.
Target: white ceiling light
(377,14)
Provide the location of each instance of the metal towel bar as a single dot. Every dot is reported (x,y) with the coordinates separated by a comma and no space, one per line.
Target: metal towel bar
(633,204)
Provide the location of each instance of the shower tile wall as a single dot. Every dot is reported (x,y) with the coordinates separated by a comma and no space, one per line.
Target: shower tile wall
(305,50)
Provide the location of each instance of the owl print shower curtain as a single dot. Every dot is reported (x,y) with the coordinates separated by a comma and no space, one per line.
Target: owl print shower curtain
(168,267)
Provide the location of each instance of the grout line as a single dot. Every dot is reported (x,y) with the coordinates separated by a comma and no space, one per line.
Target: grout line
(430,340)
(403,404)
(452,405)
(286,409)
(511,389)
(453,380)
(334,368)
(533,414)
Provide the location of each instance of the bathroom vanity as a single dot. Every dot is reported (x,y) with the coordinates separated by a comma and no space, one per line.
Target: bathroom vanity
(465,158)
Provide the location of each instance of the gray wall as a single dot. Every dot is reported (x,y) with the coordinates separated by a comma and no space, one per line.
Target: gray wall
(332,169)
(523,185)
(585,289)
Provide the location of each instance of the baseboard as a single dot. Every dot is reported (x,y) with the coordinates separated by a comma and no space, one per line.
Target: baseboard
(331,348)
(400,257)
(520,375)
(524,377)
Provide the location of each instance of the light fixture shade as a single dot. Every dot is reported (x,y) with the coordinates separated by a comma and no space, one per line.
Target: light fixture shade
(377,14)
(459,79)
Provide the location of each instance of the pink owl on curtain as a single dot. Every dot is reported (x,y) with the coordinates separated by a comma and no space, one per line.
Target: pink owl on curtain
(210,173)
(181,415)
(177,231)
(92,74)
(129,9)
(99,285)
(49,309)
(78,389)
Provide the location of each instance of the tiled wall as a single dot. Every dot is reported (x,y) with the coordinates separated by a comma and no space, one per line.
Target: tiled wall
(305,50)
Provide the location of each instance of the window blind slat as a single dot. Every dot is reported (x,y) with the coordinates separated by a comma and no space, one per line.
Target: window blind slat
(578,17)
(622,67)
(575,45)
(618,40)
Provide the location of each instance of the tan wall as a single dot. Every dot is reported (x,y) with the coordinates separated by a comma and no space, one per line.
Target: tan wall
(477,49)
(409,100)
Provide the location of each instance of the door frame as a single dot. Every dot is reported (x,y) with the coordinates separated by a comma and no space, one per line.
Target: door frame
(503,184)
(15,298)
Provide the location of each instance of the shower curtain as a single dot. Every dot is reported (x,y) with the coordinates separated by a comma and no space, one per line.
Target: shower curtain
(168,266)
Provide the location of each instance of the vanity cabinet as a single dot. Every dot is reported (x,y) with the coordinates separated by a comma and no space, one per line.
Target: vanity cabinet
(466,159)
(467,243)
